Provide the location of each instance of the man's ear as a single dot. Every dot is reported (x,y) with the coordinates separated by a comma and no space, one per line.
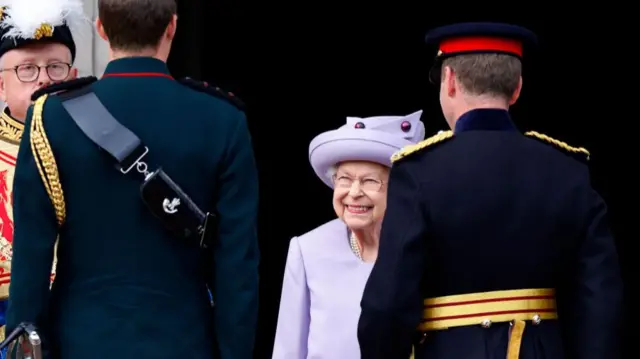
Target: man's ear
(449,81)
(73,74)
(100,29)
(172,27)
(3,92)
(516,93)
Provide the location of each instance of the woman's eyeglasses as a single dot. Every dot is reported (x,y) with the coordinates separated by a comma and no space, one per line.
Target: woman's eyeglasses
(366,184)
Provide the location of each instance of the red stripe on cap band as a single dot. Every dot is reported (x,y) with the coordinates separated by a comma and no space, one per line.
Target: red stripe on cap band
(481,43)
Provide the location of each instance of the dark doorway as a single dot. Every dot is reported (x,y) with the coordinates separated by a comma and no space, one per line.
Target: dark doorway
(303,68)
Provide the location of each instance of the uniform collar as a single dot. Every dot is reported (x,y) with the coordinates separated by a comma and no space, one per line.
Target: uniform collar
(486,119)
(10,128)
(137,67)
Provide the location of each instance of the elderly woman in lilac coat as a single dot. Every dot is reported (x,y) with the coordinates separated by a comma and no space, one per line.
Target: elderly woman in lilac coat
(328,267)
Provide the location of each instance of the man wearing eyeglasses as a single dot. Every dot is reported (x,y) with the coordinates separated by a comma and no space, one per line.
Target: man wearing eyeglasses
(27,69)
(32,56)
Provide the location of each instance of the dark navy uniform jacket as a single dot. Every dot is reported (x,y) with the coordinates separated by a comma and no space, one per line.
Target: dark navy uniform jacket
(492,209)
(126,288)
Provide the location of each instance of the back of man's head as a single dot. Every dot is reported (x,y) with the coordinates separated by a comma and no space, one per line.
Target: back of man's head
(135,25)
(487,75)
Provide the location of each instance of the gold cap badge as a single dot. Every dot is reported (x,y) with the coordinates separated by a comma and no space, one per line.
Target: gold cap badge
(45,30)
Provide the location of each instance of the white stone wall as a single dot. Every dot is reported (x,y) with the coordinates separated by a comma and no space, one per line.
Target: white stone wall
(92,54)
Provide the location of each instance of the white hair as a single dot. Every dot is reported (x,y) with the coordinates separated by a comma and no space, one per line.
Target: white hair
(331,171)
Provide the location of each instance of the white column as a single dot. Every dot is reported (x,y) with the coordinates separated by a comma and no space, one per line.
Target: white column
(84,43)
(92,51)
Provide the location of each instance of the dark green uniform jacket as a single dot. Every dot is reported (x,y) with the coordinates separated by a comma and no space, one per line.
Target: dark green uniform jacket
(125,288)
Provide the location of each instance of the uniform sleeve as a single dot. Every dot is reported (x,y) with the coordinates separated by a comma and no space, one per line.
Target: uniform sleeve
(236,253)
(592,316)
(292,332)
(392,300)
(33,243)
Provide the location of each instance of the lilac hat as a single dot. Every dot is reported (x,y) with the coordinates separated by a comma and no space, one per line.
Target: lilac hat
(372,139)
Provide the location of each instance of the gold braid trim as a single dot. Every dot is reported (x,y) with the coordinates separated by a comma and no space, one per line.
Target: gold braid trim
(46,162)
(10,128)
(409,149)
(562,145)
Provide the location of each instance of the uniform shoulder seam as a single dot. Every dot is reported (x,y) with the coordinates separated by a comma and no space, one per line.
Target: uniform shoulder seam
(203,86)
(63,87)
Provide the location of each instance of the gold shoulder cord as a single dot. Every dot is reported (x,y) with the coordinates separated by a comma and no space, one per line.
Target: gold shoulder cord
(43,156)
(411,149)
(562,145)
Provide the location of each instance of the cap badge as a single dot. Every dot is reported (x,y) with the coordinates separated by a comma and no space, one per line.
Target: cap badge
(45,30)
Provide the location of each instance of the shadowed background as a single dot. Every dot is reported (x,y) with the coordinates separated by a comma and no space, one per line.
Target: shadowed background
(302,69)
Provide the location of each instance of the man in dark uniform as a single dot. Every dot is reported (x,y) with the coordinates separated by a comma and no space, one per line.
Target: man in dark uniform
(494,244)
(126,287)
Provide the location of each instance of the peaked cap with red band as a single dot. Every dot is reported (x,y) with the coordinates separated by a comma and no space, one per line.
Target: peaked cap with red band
(477,38)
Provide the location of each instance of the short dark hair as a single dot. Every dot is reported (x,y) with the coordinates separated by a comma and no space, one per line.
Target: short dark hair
(487,74)
(135,24)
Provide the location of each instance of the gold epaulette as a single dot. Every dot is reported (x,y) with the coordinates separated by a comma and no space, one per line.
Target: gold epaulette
(559,144)
(407,150)
(46,162)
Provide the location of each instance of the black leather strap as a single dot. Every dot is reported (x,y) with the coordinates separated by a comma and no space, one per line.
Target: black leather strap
(102,128)
(23,328)
(157,189)
(65,86)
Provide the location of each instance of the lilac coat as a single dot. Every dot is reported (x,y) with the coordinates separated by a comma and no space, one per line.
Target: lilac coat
(321,292)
